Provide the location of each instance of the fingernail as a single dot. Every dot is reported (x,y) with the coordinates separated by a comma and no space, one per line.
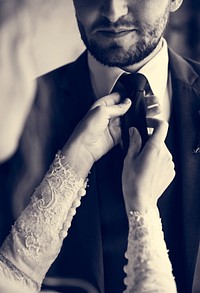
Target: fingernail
(126,101)
(131,131)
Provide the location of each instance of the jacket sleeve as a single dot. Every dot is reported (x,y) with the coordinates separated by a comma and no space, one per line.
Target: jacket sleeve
(36,237)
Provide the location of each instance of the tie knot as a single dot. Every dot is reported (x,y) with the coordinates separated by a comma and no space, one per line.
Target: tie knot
(134,82)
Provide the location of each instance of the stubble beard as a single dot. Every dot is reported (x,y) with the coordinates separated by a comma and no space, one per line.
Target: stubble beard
(116,55)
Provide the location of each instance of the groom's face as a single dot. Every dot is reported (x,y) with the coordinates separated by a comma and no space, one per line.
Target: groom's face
(122,32)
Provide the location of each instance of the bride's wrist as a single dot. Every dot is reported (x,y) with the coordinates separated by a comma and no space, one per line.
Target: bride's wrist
(78,158)
(141,206)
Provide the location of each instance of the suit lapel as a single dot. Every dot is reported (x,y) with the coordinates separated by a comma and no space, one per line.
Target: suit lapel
(78,93)
(80,98)
(186,102)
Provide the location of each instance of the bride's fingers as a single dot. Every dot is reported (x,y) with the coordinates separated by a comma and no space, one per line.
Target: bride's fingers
(108,100)
(116,121)
(153,111)
(118,110)
(152,106)
(159,134)
(113,111)
(151,100)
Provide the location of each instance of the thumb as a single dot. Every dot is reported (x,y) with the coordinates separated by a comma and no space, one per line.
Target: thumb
(135,143)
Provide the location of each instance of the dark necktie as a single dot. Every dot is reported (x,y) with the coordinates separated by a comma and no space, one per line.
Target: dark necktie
(135,85)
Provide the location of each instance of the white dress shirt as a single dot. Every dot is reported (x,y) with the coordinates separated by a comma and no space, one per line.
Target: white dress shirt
(104,78)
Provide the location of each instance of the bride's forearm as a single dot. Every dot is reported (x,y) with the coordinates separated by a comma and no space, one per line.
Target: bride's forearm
(36,237)
(149,268)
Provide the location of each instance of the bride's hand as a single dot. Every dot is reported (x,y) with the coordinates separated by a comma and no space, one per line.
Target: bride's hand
(148,173)
(96,134)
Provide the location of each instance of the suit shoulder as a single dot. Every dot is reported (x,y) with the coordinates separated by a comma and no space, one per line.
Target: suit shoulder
(184,70)
(194,64)
(66,70)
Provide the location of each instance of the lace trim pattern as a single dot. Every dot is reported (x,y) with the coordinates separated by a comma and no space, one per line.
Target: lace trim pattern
(36,237)
(148,268)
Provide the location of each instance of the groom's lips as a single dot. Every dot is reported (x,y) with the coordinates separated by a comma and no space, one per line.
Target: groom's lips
(114,33)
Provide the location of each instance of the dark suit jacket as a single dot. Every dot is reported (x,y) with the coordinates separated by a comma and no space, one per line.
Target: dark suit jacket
(71,96)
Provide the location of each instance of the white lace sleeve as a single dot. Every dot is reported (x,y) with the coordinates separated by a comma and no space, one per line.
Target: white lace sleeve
(148,269)
(36,237)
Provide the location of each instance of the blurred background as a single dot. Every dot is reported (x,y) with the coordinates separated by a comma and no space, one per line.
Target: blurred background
(183,32)
(57,39)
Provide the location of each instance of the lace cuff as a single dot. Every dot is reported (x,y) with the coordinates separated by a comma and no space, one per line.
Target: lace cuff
(148,268)
(36,237)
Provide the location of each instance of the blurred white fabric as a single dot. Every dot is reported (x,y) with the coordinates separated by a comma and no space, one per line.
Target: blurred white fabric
(36,37)
(57,40)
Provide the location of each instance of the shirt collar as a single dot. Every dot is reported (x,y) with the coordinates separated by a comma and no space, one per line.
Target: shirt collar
(103,78)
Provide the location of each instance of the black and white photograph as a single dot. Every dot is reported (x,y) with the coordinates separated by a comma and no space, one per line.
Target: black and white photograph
(100,146)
